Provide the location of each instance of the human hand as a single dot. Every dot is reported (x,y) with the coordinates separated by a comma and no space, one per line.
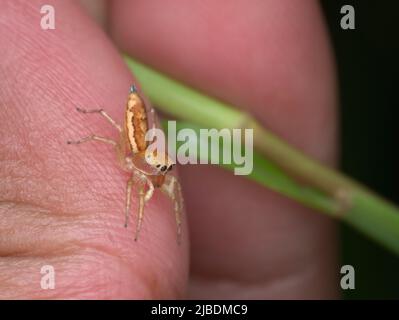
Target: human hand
(63,206)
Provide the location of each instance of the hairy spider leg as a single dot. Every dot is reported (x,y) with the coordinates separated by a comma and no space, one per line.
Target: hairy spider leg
(93,137)
(103,114)
(144,196)
(171,187)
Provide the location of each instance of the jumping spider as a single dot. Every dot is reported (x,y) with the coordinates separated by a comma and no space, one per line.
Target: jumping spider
(149,170)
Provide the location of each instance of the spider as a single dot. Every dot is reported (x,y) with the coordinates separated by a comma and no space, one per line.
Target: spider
(149,170)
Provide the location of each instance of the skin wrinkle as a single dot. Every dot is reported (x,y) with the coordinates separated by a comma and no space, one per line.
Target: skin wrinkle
(94,253)
(40,225)
(25,188)
(57,64)
(55,149)
(69,288)
(277,281)
(291,267)
(61,247)
(284,287)
(84,244)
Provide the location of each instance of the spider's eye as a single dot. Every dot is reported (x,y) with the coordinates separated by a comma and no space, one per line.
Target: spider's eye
(170,167)
(163,168)
(158,165)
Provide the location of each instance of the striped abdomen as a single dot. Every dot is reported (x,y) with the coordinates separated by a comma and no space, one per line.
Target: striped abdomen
(136,123)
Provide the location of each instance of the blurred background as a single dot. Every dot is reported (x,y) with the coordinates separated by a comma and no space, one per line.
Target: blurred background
(368,70)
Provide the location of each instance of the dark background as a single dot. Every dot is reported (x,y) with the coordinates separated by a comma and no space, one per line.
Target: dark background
(368,71)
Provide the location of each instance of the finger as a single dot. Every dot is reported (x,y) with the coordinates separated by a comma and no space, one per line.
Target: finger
(63,205)
(271,58)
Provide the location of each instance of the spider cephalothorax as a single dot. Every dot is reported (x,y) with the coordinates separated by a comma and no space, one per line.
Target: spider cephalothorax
(161,162)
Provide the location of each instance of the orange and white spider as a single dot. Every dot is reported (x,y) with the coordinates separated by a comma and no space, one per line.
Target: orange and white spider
(149,170)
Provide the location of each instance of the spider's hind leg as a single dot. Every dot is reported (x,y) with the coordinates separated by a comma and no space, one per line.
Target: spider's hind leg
(93,137)
(103,114)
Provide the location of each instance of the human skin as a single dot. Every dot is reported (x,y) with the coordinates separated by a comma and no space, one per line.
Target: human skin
(63,205)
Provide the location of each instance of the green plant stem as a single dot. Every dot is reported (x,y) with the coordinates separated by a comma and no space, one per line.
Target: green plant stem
(305,180)
(271,176)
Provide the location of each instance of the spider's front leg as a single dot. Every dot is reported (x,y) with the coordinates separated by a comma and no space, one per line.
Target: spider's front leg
(144,196)
(171,187)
